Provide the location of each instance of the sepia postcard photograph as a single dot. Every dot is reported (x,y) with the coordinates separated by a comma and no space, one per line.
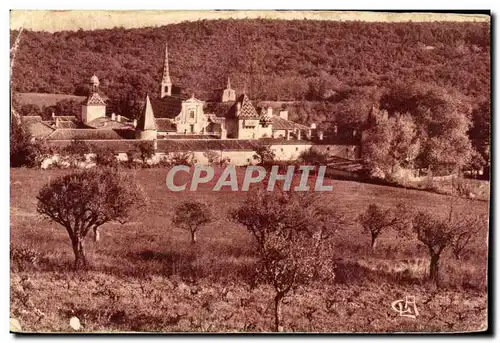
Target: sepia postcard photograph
(249,171)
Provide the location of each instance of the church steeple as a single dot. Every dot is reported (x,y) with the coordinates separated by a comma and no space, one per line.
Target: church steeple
(166,82)
(228,94)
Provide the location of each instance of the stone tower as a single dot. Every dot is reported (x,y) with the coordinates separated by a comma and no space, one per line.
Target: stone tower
(229,94)
(166,82)
(146,125)
(93,107)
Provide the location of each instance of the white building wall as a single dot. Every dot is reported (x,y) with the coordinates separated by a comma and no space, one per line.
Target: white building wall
(279,133)
(248,129)
(283,152)
(287,152)
(265,132)
(239,158)
(146,135)
(192,119)
(90,113)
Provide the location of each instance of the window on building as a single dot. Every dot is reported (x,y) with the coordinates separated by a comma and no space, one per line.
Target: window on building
(296,148)
(248,160)
(281,149)
(191,114)
(328,148)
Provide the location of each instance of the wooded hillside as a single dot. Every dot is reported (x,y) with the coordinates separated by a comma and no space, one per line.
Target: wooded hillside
(274,60)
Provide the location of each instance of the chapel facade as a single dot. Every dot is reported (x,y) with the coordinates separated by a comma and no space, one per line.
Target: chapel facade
(234,117)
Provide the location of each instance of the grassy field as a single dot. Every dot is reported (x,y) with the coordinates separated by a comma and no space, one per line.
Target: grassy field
(146,276)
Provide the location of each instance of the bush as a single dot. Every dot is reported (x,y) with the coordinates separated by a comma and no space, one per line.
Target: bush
(25,151)
(313,157)
(106,157)
(76,152)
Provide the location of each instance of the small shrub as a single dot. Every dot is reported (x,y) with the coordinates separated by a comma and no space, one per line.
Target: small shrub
(106,157)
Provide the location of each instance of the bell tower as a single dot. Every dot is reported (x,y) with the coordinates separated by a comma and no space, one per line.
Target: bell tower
(228,94)
(93,107)
(166,82)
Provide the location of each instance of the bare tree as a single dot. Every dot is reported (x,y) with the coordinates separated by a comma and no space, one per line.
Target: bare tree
(377,219)
(83,201)
(438,234)
(283,225)
(466,228)
(192,216)
(329,220)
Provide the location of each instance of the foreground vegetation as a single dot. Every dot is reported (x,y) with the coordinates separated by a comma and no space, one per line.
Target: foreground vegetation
(147,275)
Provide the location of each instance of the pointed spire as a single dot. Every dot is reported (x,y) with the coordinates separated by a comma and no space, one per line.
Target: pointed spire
(147,120)
(228,83)
(166,69)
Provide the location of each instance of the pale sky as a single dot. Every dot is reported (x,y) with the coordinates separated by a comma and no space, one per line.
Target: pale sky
(51,21)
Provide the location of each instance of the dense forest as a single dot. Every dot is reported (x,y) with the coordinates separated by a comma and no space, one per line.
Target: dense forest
(274,60)
(334,72)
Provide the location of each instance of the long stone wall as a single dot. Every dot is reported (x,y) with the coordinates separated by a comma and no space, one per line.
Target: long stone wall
(240,157)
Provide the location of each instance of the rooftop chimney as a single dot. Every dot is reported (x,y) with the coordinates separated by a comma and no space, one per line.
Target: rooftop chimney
(269,111)
(135,123)
(118,117)
(113,116)
(313,126)
(56,121)
(284,115)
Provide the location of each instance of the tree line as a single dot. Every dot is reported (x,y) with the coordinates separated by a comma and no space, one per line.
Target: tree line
(273,59)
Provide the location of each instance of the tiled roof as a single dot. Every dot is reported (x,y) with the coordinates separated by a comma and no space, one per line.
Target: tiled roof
(147,119)
(167,107)
(90,134)
(165,125)
(106,122)
(66,118)
(184,137)
(28,120)
(63,124)
(39,129)
(94,99)
(283,124)
(247,110)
